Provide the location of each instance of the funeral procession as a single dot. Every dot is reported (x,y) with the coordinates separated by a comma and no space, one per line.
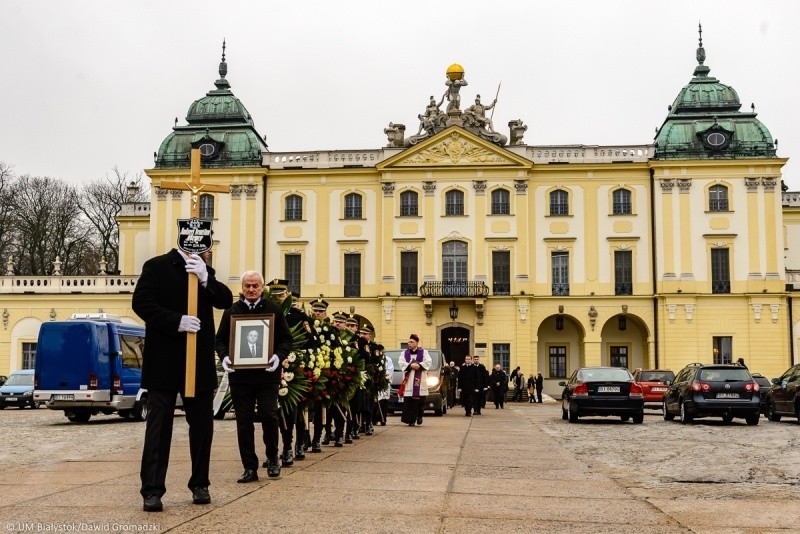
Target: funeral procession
(454,330)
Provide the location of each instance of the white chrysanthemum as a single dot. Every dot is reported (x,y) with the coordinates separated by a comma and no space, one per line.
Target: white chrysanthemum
(283,383)
(292,357)
(288,377)
(349,359)
(283,391)
(285,364)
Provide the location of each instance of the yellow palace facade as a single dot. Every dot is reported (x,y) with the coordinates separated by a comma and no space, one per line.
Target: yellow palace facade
(547,257)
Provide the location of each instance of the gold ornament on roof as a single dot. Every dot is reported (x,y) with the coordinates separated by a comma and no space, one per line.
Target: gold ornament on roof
(455,72)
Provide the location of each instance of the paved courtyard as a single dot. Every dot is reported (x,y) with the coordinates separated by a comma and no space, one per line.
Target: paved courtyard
(520,469)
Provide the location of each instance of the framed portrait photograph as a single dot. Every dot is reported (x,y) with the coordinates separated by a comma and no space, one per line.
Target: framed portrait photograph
(251,343)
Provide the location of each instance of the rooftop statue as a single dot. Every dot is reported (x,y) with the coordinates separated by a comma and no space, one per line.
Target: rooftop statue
(432,116)
(476,114)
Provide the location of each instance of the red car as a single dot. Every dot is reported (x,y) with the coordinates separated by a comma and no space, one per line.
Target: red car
(654,384)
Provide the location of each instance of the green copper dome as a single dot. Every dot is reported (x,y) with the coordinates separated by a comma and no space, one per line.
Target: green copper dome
(704,121)
(219,119)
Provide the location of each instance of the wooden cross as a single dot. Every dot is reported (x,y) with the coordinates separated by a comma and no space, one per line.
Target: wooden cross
(195,186)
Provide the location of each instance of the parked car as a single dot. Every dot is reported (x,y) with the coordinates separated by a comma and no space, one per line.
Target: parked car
(602,391)
(18,390)
(705,390)
(783,398)
(436,400)
(654,384)
(764,384)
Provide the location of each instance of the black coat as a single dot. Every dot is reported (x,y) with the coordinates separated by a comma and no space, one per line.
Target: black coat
(498,381)
(282,342)
(481,377)
(467,378)
(160,300)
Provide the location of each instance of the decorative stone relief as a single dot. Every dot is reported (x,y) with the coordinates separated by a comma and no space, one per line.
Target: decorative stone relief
(250,190)
(684,184)
(5,318)
(10,266)
(236,192)
(769,183)
(667,185)
(455,150)
(394,134)
(428,313)
(521,186)
(592,316)
(388,189)
(387,312)
(671,312)
(429,188)
(774,309)
(479,312)
(161,194)
(480,187)
(757,312)
(52,314)
(752,184)
(523,312)
(689,312)
(517,130)
(175,194)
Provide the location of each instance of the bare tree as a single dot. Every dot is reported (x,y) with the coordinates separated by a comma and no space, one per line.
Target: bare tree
(101,202)
(47,226)
(6,212)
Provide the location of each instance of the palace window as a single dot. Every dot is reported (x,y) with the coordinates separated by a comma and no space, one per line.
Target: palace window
(558,361)
(454,202)
(621,200)
(501,202)
(352,275)
(206,206)
(454,261)
(720,271)
(722,349)
(501,272)
(559,202)
(560,267)
(28,355)
(619,356)
(294,208)
(352,206)
(501,353)
(408,273)
(623,272)
(409,204)
(291,269)
(717,198)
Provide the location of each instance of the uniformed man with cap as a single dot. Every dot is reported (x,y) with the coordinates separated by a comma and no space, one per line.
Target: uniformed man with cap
(368,349)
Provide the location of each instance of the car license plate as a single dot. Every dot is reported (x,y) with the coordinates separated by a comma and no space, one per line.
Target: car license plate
(12,399)
(63,397)
(727,395)
(658,390)
(608,389)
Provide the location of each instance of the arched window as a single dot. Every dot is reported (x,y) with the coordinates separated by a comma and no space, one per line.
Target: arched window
(717,198)
(206,206)
(454,202)
(621,200)
(409,203)
(501,202)
(294,208)
(454,261)
(559,202)
(352,206)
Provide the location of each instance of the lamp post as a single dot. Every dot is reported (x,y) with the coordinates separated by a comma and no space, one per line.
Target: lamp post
(454,311)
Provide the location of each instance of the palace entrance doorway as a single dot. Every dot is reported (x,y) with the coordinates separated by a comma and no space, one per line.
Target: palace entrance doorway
(455,344)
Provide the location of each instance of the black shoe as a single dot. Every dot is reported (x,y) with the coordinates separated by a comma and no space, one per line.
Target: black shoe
(152,503)
(383,423)
(411,424)
(299,453)
(249,475)
(327,439)
(273,469)
(200,496)
(468,414)
(340,443)
(419,420)
(356,436)
(286,458)
(369,432)
(347,440)
(315,447)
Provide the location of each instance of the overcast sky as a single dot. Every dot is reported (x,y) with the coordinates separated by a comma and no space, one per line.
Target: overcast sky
(89,85)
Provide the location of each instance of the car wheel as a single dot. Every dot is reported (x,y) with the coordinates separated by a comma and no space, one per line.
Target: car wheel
(78,416)
(752,419)
(624,418)
(563,412)
(638,419)
(665,412)
(771,415)
(727,419)
(686,417)
(140,409)
(572,415)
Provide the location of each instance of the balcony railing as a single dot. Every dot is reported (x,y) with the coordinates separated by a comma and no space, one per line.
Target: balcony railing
(454,288)
(720,286)
(623,288)
(560,290)
(408,289)
(501,288)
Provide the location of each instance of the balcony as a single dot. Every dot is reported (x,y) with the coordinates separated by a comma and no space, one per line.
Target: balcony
(453,289)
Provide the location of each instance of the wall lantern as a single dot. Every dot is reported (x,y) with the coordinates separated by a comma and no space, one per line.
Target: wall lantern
(623,323)
(454,311)
(559,322)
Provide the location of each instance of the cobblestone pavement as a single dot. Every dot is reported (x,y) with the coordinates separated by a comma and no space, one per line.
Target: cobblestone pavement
(512,470)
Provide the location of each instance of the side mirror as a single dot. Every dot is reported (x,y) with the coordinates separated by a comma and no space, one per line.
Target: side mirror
(776,381)
(667,382)
(562,383)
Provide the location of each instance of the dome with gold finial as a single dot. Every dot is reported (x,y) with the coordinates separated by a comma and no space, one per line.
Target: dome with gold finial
(455,72)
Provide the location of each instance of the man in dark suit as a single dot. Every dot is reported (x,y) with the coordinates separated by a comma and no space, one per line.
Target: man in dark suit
(481,384)
(539,387)
(251,387)
(467,383)
(160,299)
(253,347)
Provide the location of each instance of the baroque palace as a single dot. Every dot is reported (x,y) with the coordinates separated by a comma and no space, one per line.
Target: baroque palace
(547,257)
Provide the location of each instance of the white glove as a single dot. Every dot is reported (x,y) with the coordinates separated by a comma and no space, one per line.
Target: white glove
(196,265)
(274,362)
(189,323)
(226,364)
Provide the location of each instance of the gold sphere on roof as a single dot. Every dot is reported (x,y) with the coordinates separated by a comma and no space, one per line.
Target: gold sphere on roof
(455,72)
